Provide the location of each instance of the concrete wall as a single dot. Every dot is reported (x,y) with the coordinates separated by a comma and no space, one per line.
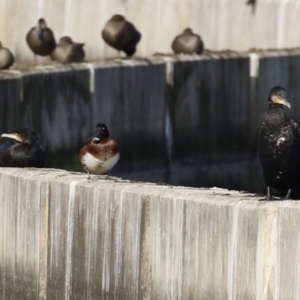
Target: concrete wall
(226,24)
(64,237)
(64,104)
(187,120)
(209,114)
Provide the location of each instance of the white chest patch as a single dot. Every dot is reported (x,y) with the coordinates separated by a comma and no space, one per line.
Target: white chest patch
(97,166)
(280,141)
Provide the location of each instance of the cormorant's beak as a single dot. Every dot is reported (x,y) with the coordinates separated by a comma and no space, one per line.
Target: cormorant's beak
(13,136)
(279,100)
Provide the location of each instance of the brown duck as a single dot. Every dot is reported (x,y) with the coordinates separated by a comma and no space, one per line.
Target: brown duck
(121,35)
(6,58)
(40,39)
(67,51)
(187,43)
(100,153)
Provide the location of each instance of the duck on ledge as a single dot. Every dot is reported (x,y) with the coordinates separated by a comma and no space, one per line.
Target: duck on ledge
(40,39)
(121,35)
(23,150)
(100,153)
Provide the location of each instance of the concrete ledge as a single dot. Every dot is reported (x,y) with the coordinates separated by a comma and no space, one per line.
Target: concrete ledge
(64,237)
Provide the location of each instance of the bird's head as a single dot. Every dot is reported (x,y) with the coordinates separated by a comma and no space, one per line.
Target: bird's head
(117,18)
(278,95)
(188,31)
(101,131)
(23,135)
(65,40)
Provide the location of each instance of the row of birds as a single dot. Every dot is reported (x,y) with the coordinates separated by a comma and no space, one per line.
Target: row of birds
(23,150)
(117,33)
(278,148)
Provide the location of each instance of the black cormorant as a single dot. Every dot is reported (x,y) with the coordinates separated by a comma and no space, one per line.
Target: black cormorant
(279,147)
(23,150)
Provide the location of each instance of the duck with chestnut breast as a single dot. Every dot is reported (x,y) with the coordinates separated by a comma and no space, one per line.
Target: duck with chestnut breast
(187,43)
(100,153)
(121,35)
(67,51)
(279,148)
(6,58)
(40,39)
(23,150)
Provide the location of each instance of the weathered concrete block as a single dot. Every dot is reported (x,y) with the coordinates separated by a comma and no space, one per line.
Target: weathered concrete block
(129,96)
(270,24)
(64,237)
(208,105)
(10,91)
(24,234)
(200,128)
(56,102)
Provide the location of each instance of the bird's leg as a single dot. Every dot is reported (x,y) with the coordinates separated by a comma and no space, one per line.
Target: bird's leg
(269,197)
(35,62)
(288,195)
(89,176)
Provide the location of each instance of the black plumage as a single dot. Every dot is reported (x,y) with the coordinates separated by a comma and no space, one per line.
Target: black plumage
(23,150)
(279,148)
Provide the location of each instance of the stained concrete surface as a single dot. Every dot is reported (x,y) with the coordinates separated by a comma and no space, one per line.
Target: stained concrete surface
(226,24)
(185,119)
(64,237)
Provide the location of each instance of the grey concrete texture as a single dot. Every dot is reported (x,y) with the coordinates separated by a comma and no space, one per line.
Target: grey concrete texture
(208,105)
(188,120)
(66,237)
(64,104)
(129,96)
(10,87)
(208,100)
(270,24)
(57,100)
